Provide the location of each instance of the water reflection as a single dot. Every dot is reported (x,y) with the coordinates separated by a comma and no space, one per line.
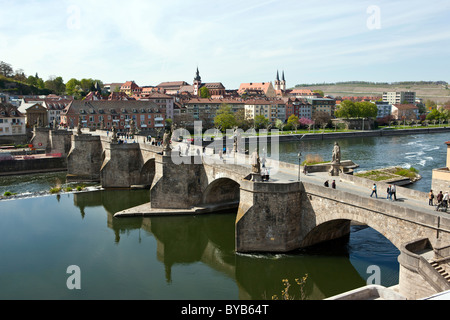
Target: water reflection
(209,240)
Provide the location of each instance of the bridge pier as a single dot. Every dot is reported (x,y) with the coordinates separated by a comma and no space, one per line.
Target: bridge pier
(84,159)
(269,217)
(176,186)
(121,167)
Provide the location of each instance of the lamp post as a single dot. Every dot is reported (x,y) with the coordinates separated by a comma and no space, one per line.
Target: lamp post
(299,163)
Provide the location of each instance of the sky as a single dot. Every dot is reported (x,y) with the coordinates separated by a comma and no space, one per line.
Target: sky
(229,41)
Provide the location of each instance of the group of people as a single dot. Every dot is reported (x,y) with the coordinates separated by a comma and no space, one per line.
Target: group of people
(333,184)
(391,192)
(441,198)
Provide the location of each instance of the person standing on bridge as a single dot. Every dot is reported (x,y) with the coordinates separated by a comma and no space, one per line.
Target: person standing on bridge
(439,198)
(394,192)
(445,200)
(333,184)
(374,191)
(430,198)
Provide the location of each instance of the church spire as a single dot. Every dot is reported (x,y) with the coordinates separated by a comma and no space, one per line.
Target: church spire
(278,76)
(197,76)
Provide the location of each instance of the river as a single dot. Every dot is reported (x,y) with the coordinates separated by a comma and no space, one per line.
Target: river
(186,257)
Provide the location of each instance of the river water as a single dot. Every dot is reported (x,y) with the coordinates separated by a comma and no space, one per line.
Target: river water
(186,257)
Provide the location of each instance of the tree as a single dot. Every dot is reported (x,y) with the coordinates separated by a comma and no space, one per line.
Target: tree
(293,121)
(321,118)
(260,122)
(241,121)
(305,122)
(204,92)
(6,69)
(433,115)
(367,109)
(225,118)
(319,92)
(71,86)
(56,85)
(347,109)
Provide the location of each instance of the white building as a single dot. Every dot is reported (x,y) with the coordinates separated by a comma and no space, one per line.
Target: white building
(270,109)
(12,122)
(384,109)
(399,97)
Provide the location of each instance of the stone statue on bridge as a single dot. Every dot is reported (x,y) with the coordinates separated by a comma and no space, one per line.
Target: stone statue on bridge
(336,158)
(256,163)
(114,134)
(166,140)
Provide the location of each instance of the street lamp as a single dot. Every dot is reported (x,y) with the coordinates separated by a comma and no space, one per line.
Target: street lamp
(299,162)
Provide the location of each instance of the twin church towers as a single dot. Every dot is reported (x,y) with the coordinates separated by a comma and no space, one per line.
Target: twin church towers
(280,84)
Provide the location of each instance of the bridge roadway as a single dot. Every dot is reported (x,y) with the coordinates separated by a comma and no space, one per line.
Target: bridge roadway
(289,174)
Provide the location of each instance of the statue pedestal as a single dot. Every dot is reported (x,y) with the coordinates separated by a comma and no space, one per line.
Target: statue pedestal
(167,151)
(335,168)
(256,177)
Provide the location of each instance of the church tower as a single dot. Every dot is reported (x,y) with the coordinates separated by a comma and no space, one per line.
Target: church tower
(283,83)
(277,82)
(197,83)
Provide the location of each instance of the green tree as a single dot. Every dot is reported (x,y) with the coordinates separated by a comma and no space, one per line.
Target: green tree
(225,118)
(347,109)
(319,92)
(241,121)
(260,122)
(56,85)
(204,92)
(293,122)
(433,115)
(367,109)
(71,86)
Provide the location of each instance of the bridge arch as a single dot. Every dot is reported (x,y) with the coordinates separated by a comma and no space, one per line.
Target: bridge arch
(147,173)
(221,190)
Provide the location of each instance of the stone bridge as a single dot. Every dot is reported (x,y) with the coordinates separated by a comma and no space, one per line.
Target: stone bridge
(280,215)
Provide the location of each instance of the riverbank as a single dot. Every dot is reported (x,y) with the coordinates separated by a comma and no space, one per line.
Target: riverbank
(358,134)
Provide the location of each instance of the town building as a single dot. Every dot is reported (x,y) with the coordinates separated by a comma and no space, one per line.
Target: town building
(301,108)
(147,115)
(271,109)
(205,109)
(172,87)
(399,97)
(52,105)
(322,105)
(12,121)
(130,88)
(264,87)
(405,111)
(384,109)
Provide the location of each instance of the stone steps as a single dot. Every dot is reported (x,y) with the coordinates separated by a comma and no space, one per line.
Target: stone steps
(441,270)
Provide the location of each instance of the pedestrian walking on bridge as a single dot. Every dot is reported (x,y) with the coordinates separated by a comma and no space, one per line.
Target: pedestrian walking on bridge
(374,191)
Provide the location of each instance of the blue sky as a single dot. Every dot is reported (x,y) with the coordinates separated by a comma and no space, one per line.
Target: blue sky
(230,41)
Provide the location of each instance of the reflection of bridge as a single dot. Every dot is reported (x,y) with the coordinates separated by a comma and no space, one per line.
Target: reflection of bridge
(276,216)
(182,240)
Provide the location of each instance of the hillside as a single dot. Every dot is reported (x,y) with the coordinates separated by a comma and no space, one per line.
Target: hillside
(436,92)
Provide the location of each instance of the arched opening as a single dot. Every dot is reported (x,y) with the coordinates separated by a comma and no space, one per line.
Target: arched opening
(222,191)
(373,256)
(147,173)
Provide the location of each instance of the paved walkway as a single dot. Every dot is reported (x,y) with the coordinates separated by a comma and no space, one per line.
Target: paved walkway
(284,175)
